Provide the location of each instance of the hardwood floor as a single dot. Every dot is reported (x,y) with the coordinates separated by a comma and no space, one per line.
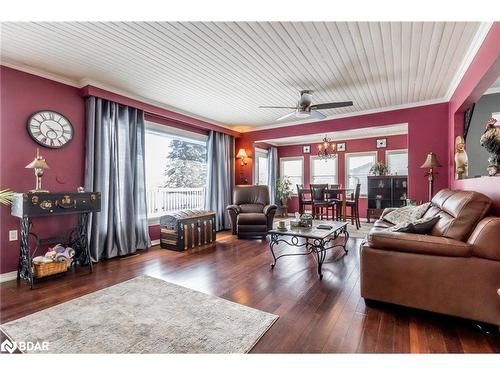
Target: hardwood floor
(327,316)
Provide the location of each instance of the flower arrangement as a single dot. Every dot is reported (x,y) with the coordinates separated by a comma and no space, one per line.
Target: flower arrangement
(6,197)
(379,169)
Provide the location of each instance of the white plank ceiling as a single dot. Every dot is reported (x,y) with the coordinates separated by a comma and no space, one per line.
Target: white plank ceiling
(224,71)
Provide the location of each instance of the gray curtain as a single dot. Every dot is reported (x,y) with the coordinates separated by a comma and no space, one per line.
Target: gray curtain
(220,176)
(272,172)
(114,166)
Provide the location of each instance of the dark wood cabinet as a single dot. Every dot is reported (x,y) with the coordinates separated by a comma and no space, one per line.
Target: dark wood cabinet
(384,192)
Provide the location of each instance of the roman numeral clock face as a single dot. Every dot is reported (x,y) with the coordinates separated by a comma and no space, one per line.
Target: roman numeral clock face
(50,129)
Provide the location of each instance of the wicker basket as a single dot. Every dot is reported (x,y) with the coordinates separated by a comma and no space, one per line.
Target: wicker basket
(47,269)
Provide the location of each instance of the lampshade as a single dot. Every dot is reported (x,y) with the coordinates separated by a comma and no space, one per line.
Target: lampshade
(431,161)
(242,154)
(38,162)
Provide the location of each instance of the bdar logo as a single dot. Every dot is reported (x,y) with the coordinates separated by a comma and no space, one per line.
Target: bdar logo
(8,346)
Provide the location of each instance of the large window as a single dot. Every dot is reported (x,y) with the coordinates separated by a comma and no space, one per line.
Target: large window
(176,169)
(323,171)
(261,158)
(357,166)
(397,162)
(293,168)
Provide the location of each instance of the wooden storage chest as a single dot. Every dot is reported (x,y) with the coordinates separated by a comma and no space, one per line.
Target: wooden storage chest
(187,229)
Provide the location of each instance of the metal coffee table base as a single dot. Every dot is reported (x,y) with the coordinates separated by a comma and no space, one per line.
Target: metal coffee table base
(318,247)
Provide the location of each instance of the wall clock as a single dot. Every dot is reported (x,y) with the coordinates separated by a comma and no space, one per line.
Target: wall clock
(50,129)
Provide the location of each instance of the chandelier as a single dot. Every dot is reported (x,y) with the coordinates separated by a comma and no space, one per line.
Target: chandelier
(326,149)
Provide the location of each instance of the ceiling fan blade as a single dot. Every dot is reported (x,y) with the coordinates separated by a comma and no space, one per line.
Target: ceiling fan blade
(331,105)
(286,116)
(317,115)
(269,106)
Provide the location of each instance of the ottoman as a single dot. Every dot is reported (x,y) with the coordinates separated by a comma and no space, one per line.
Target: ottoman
(252,225)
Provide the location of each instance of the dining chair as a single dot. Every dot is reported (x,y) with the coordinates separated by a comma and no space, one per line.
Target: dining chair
(353,204)
(319,201)
(304,198)
(333,198)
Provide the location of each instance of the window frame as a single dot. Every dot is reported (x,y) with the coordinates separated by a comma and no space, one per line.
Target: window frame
(346,169)
(311,169)
(292,158)
(258,152)
(397,151)
(174,133)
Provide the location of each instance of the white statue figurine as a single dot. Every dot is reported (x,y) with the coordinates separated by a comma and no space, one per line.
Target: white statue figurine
(461,159)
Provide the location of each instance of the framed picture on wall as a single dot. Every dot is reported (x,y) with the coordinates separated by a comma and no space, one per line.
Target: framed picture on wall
(306,149)
(340,146)
(382,143)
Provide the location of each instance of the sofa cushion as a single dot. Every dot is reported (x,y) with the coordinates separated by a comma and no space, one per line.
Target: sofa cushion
(420,226)
(418,243)
(405,214)
(252,219)
(251,208)
(459,212)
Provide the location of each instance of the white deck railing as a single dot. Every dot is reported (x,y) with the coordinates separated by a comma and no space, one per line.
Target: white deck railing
(161,200)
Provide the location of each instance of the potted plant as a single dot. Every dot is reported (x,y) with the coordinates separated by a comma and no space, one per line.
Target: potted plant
(283,193)
(379,169)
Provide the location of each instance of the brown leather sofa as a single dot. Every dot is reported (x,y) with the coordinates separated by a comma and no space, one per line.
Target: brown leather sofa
(455,270)
(251,214)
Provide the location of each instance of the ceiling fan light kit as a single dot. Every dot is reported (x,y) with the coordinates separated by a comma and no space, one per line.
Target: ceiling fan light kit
(305,108)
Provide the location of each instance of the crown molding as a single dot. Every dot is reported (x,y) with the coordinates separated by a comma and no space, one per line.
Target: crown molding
(478,40)
(40,73)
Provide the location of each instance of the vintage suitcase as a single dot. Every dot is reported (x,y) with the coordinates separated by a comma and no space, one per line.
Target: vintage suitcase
(34,204)
(187,229)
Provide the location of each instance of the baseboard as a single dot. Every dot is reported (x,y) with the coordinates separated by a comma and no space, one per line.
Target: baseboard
(155,242)
(8,276)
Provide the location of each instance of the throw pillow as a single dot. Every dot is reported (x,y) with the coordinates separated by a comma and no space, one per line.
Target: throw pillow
(406,214)
(420,226)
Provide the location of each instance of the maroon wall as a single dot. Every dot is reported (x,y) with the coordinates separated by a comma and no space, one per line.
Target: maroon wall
(483,71)
(394,142)
(21,95)
(427,131)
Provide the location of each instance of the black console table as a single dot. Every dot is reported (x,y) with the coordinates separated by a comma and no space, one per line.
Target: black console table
(39,204)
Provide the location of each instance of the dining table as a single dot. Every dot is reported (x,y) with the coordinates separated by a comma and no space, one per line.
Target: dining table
(335,192)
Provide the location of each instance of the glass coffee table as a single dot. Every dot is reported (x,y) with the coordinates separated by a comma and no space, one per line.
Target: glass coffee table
(317,240)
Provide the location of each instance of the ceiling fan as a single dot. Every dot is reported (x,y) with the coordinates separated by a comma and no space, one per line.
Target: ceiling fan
(305,108)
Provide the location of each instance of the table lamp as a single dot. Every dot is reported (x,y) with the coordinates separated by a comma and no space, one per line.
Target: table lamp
(430,163)
(39,165)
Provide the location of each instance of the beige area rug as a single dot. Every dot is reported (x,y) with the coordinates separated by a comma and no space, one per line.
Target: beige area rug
(144,315)
(353,232)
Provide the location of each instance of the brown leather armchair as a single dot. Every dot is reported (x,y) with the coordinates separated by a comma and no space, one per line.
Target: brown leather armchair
(251,214)
(455,270)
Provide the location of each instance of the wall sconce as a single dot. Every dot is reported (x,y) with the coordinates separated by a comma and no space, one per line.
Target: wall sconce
(242,154)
